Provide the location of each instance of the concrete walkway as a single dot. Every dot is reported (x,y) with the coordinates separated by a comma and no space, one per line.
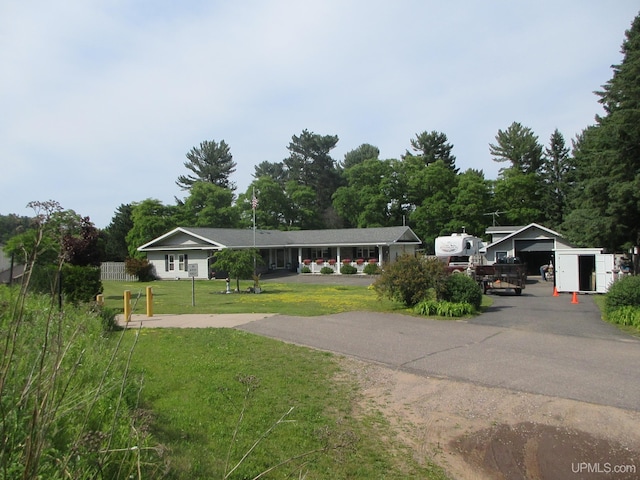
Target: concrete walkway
(208,320)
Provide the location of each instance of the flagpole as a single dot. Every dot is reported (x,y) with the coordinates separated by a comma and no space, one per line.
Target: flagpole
(253,206)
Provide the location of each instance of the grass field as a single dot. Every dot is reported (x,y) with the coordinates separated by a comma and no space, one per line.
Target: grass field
(198,384)
(287,298)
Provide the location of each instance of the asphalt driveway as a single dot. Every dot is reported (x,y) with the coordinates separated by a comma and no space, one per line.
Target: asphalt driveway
(534,343)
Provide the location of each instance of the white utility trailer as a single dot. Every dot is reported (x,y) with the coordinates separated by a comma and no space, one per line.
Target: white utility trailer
(583,270)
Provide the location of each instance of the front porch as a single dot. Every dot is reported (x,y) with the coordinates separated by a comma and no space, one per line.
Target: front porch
(314,259)
(317,258)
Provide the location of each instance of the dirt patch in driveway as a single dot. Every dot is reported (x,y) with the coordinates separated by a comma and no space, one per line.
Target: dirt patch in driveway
(477,432)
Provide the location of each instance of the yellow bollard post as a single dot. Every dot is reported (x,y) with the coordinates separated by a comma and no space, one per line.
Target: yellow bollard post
(149,302)
(100,299)
(127,305)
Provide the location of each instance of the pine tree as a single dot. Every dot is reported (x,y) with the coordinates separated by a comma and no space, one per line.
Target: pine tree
(211,162)
(431,147)
(606,199)
(518,145)
(556,170)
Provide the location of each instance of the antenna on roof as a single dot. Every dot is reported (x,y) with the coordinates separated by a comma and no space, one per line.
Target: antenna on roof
(494,215)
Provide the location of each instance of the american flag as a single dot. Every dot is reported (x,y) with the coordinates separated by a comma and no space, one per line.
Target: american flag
(254,202)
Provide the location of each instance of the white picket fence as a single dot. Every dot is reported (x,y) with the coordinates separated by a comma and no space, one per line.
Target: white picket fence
(115,271)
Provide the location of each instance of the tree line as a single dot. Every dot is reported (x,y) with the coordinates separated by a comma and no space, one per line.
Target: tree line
(589,190)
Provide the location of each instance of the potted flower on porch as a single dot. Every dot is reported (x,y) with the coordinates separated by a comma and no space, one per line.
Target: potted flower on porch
(332,261)
(360,261)
(346,261)
(373,260)
(306,261)
(319,261)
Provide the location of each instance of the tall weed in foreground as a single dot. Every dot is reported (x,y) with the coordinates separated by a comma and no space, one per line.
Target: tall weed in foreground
(67,404)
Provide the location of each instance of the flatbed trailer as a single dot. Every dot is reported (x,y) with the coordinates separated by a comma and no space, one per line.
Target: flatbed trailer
(502,276)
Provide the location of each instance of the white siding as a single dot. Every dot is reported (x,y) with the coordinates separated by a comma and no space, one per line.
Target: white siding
(159,261)
(399,249)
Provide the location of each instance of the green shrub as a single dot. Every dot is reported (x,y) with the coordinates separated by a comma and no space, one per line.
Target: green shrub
(348,269)
(460,288)
(443,308)
(326,270)
(372,269)
(625,315)
(140,268)
(305,269)
(80,284)
(623,292)
(410,279)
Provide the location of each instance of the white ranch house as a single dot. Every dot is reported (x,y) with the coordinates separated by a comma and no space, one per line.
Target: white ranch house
(175,252)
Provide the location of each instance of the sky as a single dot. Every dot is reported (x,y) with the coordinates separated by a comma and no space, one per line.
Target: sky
(100,101)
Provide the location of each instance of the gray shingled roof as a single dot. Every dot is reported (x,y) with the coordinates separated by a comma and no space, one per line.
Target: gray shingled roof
(237,238)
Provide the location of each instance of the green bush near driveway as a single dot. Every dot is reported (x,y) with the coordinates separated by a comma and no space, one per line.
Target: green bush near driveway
(461,288)
(622,302)
(623,292)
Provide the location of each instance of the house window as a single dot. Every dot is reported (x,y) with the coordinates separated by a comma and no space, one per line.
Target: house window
(175,262)
(317,253)
(501,257)
(366,252)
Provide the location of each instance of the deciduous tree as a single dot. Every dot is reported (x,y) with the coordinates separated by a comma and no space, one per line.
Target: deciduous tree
(239,264)
(365,200)
(208,205)
(431,189)
(471,200)
(151,218)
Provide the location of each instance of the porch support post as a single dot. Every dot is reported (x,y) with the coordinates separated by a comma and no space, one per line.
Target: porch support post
(299,259)
(380,255)
(338,258)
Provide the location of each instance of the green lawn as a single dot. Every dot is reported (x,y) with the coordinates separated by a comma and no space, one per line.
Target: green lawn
(285,298)
(196,383)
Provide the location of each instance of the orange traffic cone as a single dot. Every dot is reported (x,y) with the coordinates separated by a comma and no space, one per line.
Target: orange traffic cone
(575,298)
(555,291)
